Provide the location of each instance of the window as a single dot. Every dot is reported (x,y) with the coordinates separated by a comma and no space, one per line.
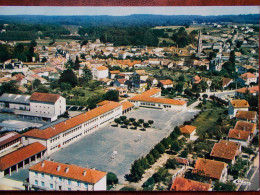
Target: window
(86,185)
(69,181)
(51,186)
(78,183)
(60,179)
(36,182)
(42,174)
(36,174)
(43,184)
(51,176)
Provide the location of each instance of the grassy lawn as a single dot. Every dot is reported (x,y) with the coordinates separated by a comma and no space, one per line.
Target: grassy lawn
(207,119)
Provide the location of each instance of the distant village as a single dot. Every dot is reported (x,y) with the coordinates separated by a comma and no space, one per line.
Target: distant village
(213,149)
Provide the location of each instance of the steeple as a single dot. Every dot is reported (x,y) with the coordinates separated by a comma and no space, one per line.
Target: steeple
(199,45)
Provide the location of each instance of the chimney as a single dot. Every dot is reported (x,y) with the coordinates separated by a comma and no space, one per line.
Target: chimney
(42,164)
(67,170)
(58,168)
(84,173)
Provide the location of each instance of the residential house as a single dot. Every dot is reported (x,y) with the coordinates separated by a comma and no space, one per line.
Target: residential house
(182,184)
(166,83)
(248,78)
(99,72)
(50,175)
(143,75)
(226,82)
(190,131)
(235,105)
(113,73)
(240,93)
(226,151)
(249,116)
(246,126)
(239,136)
(213,169)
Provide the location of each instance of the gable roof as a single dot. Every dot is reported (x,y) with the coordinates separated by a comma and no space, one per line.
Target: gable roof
(253,89)
(211,168)
(246,126)
(157,100)
(248,75)
(99,68)
(249,115)
(73,171)
(114,71)
(44,97)
(225,149)
(238,134)
(182,184)
(20,155)
(15,98)
(239,103)
(72,122)
(9,137)
(226,81)
(166,82)
(187,129)
(126,105)
(151,92)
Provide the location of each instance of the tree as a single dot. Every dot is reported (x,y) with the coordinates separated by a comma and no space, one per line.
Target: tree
(229,186)
(150,159)
(4,53)
(44,59)
(160,148)
(126,123)
(122,118)
(179,87)
(117,121)
(111,178)
(149,184)
(144,163)
(181,78)
(132,120)
(177,130)
(112,95)
(93,85)
(36,83)
(171,164)
(68,76)
(175,146)
(135,124)
(141,121)
(65,86)
(136,171)
(155,154)
(160,174)
(9,87)
(43,89)
(76,64)
(150,122)
(184,153)
(166,142)
(145,125)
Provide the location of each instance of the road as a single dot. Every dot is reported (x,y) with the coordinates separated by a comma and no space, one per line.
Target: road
(254,181)
(221,94)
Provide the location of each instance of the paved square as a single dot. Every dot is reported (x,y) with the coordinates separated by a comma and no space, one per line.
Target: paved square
(96,149)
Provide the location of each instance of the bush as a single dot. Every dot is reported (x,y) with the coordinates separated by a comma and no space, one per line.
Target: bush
(160,174)
(149,184)
(155,154)
(184,153)
(150,159)
(111,178)
(127,189)
(171,164)
(160,148)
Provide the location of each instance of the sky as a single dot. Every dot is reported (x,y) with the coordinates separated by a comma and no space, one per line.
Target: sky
(123,11)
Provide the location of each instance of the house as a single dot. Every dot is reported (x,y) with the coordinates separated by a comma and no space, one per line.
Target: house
(215,64)
(150,99)
(246,126)
(226,151)
(166,83)
(64,133)
(182,184)
(239,136)
(213,169)
(21,157)
(235,105)
(249,116)
(50,175)
(226,82)
(240,93)
(120,83)
(44,105)
(121,90)
(248,78)
(143,75)
(114,73)
(99,72)
(20,78)
(127,107)
(190,131)
(9,140)
(183,161)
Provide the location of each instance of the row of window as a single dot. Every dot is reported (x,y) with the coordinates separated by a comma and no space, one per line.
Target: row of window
(90,122)
(149,104)
(36,182)
(71,131)
(88,130)
(43,107)
(54,139)
(104,115)
(69,140)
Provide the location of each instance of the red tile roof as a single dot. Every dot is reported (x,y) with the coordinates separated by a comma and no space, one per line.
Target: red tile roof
(238,134)
(187,129)
(72,122)
(248,75)
(251,90)
(249,115)
(211,168)
(20,155)
(126,105)
(101,68)
(151,92)
(157,100)
(182,184)
(114,72)
(44,97)
(239,103)
(226,81)
(13,137)
(121,81)
(166,82)
(225,149)
(103,102)
(182,160)
(74,172)
(246,126)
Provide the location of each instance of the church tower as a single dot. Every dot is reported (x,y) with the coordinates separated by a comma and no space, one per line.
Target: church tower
(199,45)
